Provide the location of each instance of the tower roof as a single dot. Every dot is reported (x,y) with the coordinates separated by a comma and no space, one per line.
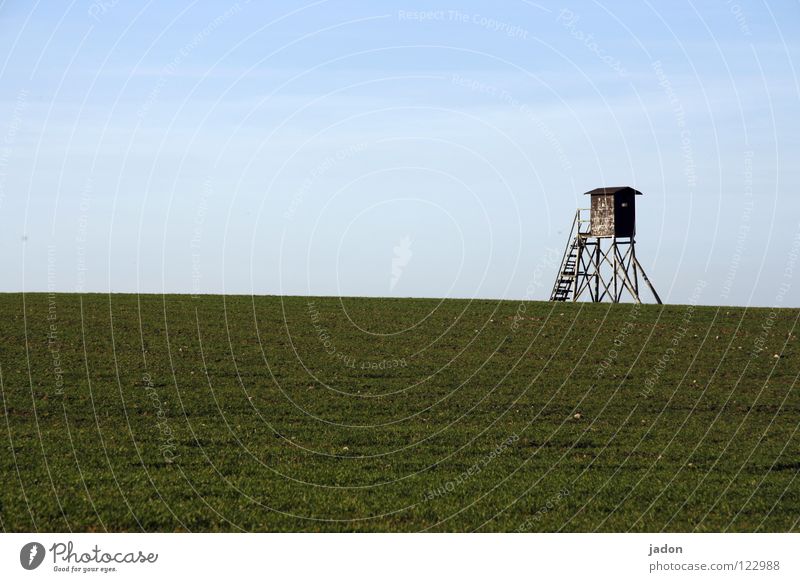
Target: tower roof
(611,190)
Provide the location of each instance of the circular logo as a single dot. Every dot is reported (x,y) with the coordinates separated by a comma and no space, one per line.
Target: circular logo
(31,555)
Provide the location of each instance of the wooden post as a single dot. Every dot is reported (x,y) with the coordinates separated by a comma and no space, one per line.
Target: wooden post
(596,297)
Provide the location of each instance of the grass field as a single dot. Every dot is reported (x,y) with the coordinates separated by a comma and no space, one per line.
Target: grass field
(129,413)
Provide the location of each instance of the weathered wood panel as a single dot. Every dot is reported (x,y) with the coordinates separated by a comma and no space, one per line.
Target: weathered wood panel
(603,215)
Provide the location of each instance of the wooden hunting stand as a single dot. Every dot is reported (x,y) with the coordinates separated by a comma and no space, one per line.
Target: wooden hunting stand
(604,272)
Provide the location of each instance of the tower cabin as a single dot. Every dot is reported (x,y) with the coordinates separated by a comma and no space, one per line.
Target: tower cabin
(613,212)
(602,270)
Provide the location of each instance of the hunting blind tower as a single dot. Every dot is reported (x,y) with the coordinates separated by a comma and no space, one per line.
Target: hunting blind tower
(604,271)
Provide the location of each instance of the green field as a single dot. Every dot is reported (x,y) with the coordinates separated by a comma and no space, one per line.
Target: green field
(229,413)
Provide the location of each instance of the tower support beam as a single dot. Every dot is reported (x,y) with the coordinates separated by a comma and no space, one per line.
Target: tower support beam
(600,268)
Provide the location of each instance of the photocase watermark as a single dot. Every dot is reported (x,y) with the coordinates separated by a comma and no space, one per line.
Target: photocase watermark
(318,172)
(472,471)
(791,263)
(548,506)
(168,446)
(551,258)
(345,359)
(619,341)
(31,555)
(760,342)
(400,260)
(680,120)
(744,226)
(53,342)
(197,236)
(569,20)
(99,8)
(507,98)
(738,15)
(68,559)
(81,236)
(654,375)
(487,22)
(197,40)
(10,138)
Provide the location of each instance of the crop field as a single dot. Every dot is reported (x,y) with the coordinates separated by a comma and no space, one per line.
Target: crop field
(230,413)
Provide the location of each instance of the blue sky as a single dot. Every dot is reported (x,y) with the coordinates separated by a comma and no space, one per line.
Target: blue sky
(399,149)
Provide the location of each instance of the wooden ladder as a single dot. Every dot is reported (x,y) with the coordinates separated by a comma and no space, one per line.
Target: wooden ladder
(564,287)
(565,282)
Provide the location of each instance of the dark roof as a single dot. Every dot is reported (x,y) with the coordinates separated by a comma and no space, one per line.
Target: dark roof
(612,190)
